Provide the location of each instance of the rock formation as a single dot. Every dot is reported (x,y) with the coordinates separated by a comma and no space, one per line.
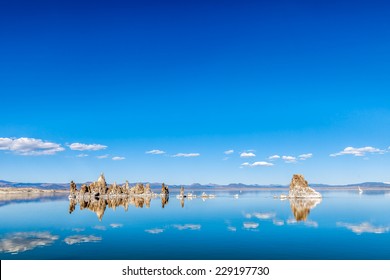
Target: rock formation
(299,188)
(164,190)
(73,188)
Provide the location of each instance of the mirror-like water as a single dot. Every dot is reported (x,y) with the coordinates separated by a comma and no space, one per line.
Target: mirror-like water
(254,225)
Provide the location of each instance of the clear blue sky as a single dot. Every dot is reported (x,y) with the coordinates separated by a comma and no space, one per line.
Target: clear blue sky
(195,79)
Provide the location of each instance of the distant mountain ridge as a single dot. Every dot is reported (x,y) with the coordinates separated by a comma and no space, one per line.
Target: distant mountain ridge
(65,186)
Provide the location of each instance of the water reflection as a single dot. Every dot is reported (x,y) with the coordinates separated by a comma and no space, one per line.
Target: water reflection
(24,241)
(301,207)
(98,206)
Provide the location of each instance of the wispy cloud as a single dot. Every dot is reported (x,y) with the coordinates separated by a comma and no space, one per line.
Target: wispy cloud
(29,146)
(305,156)
(25,241)
(364,228)
(155,152)
(155,230)
(289,159)
(228,152)
(75,239)
(186,155)
(274,157)
(358,152)
(257,163)
(118,158)
(188,226)
(86,147)
(82,155)
(247,154)
(103,156)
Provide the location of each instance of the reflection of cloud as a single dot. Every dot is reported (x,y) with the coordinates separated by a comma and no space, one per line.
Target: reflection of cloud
(232,229)
(357,152)
(78,229)
(116,225)
(277,222)
(100,227)
(25,241)
(306,223)
(261,216)
(75,239)
(250,225)
(154,230)
(264,216)
(188,226)
(363,228)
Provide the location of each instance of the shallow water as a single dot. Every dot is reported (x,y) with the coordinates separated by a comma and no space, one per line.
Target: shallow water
(344,225)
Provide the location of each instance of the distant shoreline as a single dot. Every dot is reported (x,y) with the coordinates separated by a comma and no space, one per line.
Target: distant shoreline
(36,190)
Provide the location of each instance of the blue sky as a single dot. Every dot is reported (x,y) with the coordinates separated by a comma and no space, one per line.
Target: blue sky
(195,79)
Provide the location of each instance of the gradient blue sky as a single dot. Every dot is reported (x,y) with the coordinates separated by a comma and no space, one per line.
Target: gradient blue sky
(283,78)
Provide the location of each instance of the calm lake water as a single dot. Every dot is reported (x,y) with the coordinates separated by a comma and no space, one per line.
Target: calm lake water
(344,225)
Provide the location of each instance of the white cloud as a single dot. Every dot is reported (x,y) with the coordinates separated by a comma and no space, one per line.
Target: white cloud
(250,225)
(188,226)
(262,163)
(118,158)
(289,159)
(186,155)
(257,163)
(305,156)
(274,157)
(102,156)
(29,146)
(357,152)
(86,147)
(75,239)
(155,152)
(82,155)
(228,152)
(24,241)
(364,228)
(155,230)
(246,154)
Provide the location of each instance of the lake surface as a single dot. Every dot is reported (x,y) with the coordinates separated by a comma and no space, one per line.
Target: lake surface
(344,225)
